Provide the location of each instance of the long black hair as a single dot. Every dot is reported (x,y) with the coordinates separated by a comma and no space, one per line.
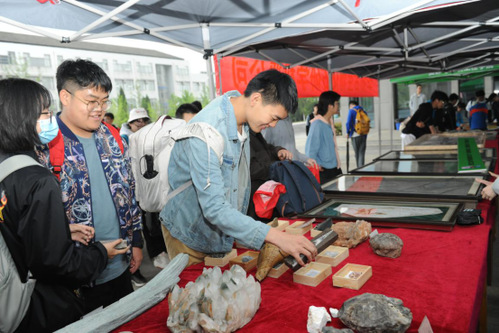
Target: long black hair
(21,103)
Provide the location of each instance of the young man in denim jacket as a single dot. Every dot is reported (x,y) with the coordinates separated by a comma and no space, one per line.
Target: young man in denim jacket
(209,215)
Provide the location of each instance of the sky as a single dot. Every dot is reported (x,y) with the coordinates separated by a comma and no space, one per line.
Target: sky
(196,62)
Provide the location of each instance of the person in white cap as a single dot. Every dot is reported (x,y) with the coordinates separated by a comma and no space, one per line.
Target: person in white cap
(137,119)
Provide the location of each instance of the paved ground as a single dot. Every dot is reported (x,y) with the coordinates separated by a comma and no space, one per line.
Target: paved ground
(373,147)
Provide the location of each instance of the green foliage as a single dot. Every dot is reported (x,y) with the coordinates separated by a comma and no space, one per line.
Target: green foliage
(205,97)
(175,102)
(121,114)
(151,111)
(305,107)
(339,128)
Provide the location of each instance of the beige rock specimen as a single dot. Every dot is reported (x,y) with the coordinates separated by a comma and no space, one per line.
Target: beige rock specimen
(351,234)
(269,256)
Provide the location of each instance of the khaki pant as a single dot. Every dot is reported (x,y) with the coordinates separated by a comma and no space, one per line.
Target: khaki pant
(175,247)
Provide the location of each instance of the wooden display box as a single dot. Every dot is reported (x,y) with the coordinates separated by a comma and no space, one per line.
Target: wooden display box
(279,224)
(297,229)
(211,261)
(314,232)
(333,255)
(278,270)
(246,260)
(312,274)
(352,276)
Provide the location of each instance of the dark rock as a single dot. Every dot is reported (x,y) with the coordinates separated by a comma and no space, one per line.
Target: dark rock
(387,245)
(375,313)
(330,329)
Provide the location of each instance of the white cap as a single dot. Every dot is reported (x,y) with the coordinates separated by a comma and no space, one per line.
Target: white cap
(137,113)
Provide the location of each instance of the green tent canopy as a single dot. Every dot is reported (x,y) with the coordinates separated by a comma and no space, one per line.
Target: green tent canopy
(464,74)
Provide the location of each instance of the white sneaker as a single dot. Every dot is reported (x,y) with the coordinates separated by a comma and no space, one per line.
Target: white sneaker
(161,260)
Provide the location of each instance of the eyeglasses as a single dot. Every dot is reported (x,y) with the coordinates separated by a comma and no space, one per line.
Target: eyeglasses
(92,105)
(50,115)
(140,121)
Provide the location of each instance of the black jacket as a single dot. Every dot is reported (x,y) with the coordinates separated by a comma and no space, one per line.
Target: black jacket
(262,155)
(424,114)
(38,237)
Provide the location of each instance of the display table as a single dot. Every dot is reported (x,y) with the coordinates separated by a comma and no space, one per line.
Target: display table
(439,274)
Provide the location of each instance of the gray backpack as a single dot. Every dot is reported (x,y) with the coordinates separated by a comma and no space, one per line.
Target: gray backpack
(15,295)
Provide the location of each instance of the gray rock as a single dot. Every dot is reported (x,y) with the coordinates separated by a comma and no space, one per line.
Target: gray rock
(375,313)
(387,245)
(330,329)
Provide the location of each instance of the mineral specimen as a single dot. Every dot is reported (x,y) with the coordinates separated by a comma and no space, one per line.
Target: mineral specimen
(387,245)
(317,319)
(215,302)
(375,313)
(269,256)
(351,234)
(330,329)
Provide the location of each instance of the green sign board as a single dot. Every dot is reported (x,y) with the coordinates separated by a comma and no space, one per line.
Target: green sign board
(469,158)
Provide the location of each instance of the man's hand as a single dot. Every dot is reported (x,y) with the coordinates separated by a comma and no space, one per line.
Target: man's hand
(81,233)
(136,259)
(284,154)
(487,192)
(292,244)
(311,162)
(111,251)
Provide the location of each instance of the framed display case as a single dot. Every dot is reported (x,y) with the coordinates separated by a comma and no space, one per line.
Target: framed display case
(460,188)
(486,154)
(389,213)
(444,141)
(420,167)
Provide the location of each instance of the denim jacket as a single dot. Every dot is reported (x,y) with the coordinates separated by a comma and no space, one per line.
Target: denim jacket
(205,216)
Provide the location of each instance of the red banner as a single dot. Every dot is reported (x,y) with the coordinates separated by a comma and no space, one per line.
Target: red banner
(310,82)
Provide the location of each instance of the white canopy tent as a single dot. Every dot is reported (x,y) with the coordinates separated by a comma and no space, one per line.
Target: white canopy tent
(208,26)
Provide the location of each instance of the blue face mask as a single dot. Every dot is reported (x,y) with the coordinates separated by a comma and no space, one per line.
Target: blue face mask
(49,129)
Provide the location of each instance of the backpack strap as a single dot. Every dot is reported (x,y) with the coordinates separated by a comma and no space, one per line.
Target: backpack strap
(56,149)
(56,153)
(15,163)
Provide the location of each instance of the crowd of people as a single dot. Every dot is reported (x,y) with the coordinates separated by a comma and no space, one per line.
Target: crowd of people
(64,221)
(442,113)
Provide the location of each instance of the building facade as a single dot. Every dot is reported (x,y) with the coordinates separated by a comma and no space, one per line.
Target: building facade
(139,72)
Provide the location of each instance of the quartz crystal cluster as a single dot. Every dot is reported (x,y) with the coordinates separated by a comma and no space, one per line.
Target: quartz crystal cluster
(215,302)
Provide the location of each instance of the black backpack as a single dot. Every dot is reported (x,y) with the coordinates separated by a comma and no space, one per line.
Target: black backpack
(303,192)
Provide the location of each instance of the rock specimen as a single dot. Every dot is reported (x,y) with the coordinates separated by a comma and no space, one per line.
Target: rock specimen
(375,313)
(351,234)
(317,319)
(387,245)
(330,329)
(269,256)
(215,302)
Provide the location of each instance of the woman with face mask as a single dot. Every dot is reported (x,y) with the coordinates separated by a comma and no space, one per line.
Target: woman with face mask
(32,219)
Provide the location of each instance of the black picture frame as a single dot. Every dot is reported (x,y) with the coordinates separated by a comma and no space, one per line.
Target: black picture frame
(486,154)
(444,221)
(450,188)
(420,167)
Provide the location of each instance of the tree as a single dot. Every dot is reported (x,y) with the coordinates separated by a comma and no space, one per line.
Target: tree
(175,101)
(121,115)
(305,107)
(145,103)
